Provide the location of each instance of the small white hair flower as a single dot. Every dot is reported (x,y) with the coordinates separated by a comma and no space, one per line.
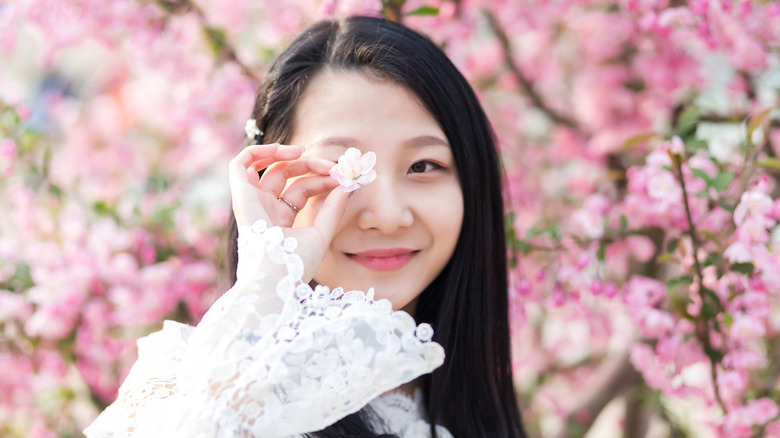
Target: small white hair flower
(354,170)
(251,129)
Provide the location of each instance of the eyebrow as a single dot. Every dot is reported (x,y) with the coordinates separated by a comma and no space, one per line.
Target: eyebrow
(425,140)
(416,142)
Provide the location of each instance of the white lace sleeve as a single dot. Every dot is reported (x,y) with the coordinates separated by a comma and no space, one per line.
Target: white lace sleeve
(271,358)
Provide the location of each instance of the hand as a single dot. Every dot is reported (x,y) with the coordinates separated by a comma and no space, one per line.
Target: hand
(296,179)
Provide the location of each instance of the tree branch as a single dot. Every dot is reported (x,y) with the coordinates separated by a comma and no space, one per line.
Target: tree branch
(702,325)
(525,84)
(215,36)
(612,378)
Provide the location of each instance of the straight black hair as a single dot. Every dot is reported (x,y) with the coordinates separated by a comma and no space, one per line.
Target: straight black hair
(472,393)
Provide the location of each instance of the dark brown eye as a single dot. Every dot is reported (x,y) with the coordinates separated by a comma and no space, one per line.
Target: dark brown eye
(424,166)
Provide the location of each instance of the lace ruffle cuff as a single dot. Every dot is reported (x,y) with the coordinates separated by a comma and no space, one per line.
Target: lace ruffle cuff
(320,355)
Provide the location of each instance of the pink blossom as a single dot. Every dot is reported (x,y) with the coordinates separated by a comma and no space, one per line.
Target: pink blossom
(14,307)
(653,323)
(643,292)
(748,54)
(589,220)
(643,359)
(738,252)
(744,359)
(755,206)
(8,155)
(746,328)
(641,247)
(674,146)
(731,381)
(773,429)
(739,422)
(354,170)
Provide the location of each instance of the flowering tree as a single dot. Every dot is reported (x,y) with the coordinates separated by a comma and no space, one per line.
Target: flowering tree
(640,139)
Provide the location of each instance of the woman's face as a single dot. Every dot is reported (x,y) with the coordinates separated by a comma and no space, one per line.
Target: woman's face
(398,232)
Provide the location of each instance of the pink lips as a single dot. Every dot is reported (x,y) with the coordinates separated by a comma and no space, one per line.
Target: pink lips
(386,259)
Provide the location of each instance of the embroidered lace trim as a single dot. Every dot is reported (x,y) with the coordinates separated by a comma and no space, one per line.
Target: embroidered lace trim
(404,415)
(271,358)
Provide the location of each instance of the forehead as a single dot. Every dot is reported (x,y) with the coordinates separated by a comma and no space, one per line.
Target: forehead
(338,100)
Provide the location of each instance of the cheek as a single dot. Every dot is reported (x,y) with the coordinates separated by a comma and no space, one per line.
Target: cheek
(446,219)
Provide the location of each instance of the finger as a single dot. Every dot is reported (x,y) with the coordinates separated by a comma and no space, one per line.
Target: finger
(277,175)
(261,156)
(300,190)
(239,166)
(257,157)
(329,216)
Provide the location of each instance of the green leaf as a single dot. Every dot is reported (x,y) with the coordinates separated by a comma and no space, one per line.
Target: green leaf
(770,163)
(157,182)
(671,246)
(602,252)
(102,209)
(759,118)
(163,216)
(722,181)
(21,280)
(724,205)
(687,120)
(216,38)
(425,11)
(696,144)
(164,253)
(710,305)
(703,175)
(727,320)
(638,139)
(756,121)
(707,310)
(56,191)
(665,257)
(711,296)
(521,246)
(746,268)
(710,236)
(714,355)
(680,306)
(667,168)
(509,225)
(623,222)
(711,259)
(672,284)
(552,231)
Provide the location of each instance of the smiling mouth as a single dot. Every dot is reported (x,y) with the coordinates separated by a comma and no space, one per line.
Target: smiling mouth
(383,260)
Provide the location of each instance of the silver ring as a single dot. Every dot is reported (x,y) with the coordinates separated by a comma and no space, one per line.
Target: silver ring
(295,209)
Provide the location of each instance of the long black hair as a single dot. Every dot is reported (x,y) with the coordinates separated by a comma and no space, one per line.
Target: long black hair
(472,394)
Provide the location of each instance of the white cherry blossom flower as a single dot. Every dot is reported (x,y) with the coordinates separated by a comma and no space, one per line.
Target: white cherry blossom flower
(354,170)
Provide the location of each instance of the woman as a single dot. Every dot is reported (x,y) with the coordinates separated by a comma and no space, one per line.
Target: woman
(274,357)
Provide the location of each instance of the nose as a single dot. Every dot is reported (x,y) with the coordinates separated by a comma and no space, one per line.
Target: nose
(384,206)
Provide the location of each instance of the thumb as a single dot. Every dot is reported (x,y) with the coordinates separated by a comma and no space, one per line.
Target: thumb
(330,214)
(324,227)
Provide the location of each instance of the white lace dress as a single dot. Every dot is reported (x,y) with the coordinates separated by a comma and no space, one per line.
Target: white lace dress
(274,358)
